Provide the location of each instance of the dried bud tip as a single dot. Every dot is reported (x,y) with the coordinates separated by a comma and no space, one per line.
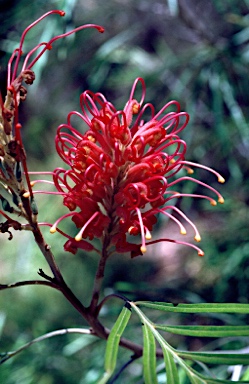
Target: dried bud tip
(221,179)
(213,202)
(148,236)
(197,238)
(101,29)
(52,229)
(28,76)
(143,249)
(190,171)
(78,237)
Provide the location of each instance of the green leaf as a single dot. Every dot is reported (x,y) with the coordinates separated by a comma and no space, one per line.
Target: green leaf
(113,340)
(216,357)
(206,330)
(196,308)
(171,369)
(168,351)
(149,356)
(171,355)
(217,381)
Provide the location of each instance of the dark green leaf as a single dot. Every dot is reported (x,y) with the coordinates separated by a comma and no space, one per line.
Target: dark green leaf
(113,343)
(149,356)
(171,369)
(206,331)
(196,308)
(216,357)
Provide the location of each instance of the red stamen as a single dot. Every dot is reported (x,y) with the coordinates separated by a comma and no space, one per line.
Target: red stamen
(143,246)
(218,175)
(197,234)
(78,237)
(48,45)
(19,50)
(199,250)
(12,57)
(220,198)
(54,226)
(181,226)
(25,66)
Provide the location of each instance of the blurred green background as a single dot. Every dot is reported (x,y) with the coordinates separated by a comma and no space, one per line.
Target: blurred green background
(194,51)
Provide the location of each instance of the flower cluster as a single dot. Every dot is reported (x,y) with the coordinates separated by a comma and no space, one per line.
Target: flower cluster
(13,190)
(122,170)
(123,165)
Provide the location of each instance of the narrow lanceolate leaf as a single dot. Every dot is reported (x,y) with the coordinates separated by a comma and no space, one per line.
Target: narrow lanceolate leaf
(195,379)
(216,357)
(196,308)
(171,369)
(217,381)
(206,330)
(114,338)
(149,356)
(168,351)
(171,355)
(198,378)
(113,342)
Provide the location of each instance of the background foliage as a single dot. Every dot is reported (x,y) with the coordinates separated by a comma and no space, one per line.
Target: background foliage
(199,58)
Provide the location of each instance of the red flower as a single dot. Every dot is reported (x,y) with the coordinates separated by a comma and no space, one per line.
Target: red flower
(121,170)
(12,154)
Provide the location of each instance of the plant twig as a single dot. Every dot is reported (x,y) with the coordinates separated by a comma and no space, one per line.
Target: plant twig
(93,308)
(46,251)
(28,282)
(59,332)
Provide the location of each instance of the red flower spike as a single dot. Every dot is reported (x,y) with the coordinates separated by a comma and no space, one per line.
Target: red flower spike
(19,50)
(12,153)
(121,171)
(13,77)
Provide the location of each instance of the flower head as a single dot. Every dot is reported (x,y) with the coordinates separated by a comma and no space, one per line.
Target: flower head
(122,170)
(12,154)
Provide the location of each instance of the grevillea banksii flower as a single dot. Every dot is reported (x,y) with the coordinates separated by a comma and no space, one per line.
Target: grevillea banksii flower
(12,154)
(122,169)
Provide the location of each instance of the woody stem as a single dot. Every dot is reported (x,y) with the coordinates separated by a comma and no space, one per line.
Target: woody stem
(98,329)
(99,276)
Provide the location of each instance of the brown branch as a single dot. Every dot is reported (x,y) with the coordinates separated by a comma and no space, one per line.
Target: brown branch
(93,308)
(61,285)
(47,253)
(28,282)
(57,281)
(99,276)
